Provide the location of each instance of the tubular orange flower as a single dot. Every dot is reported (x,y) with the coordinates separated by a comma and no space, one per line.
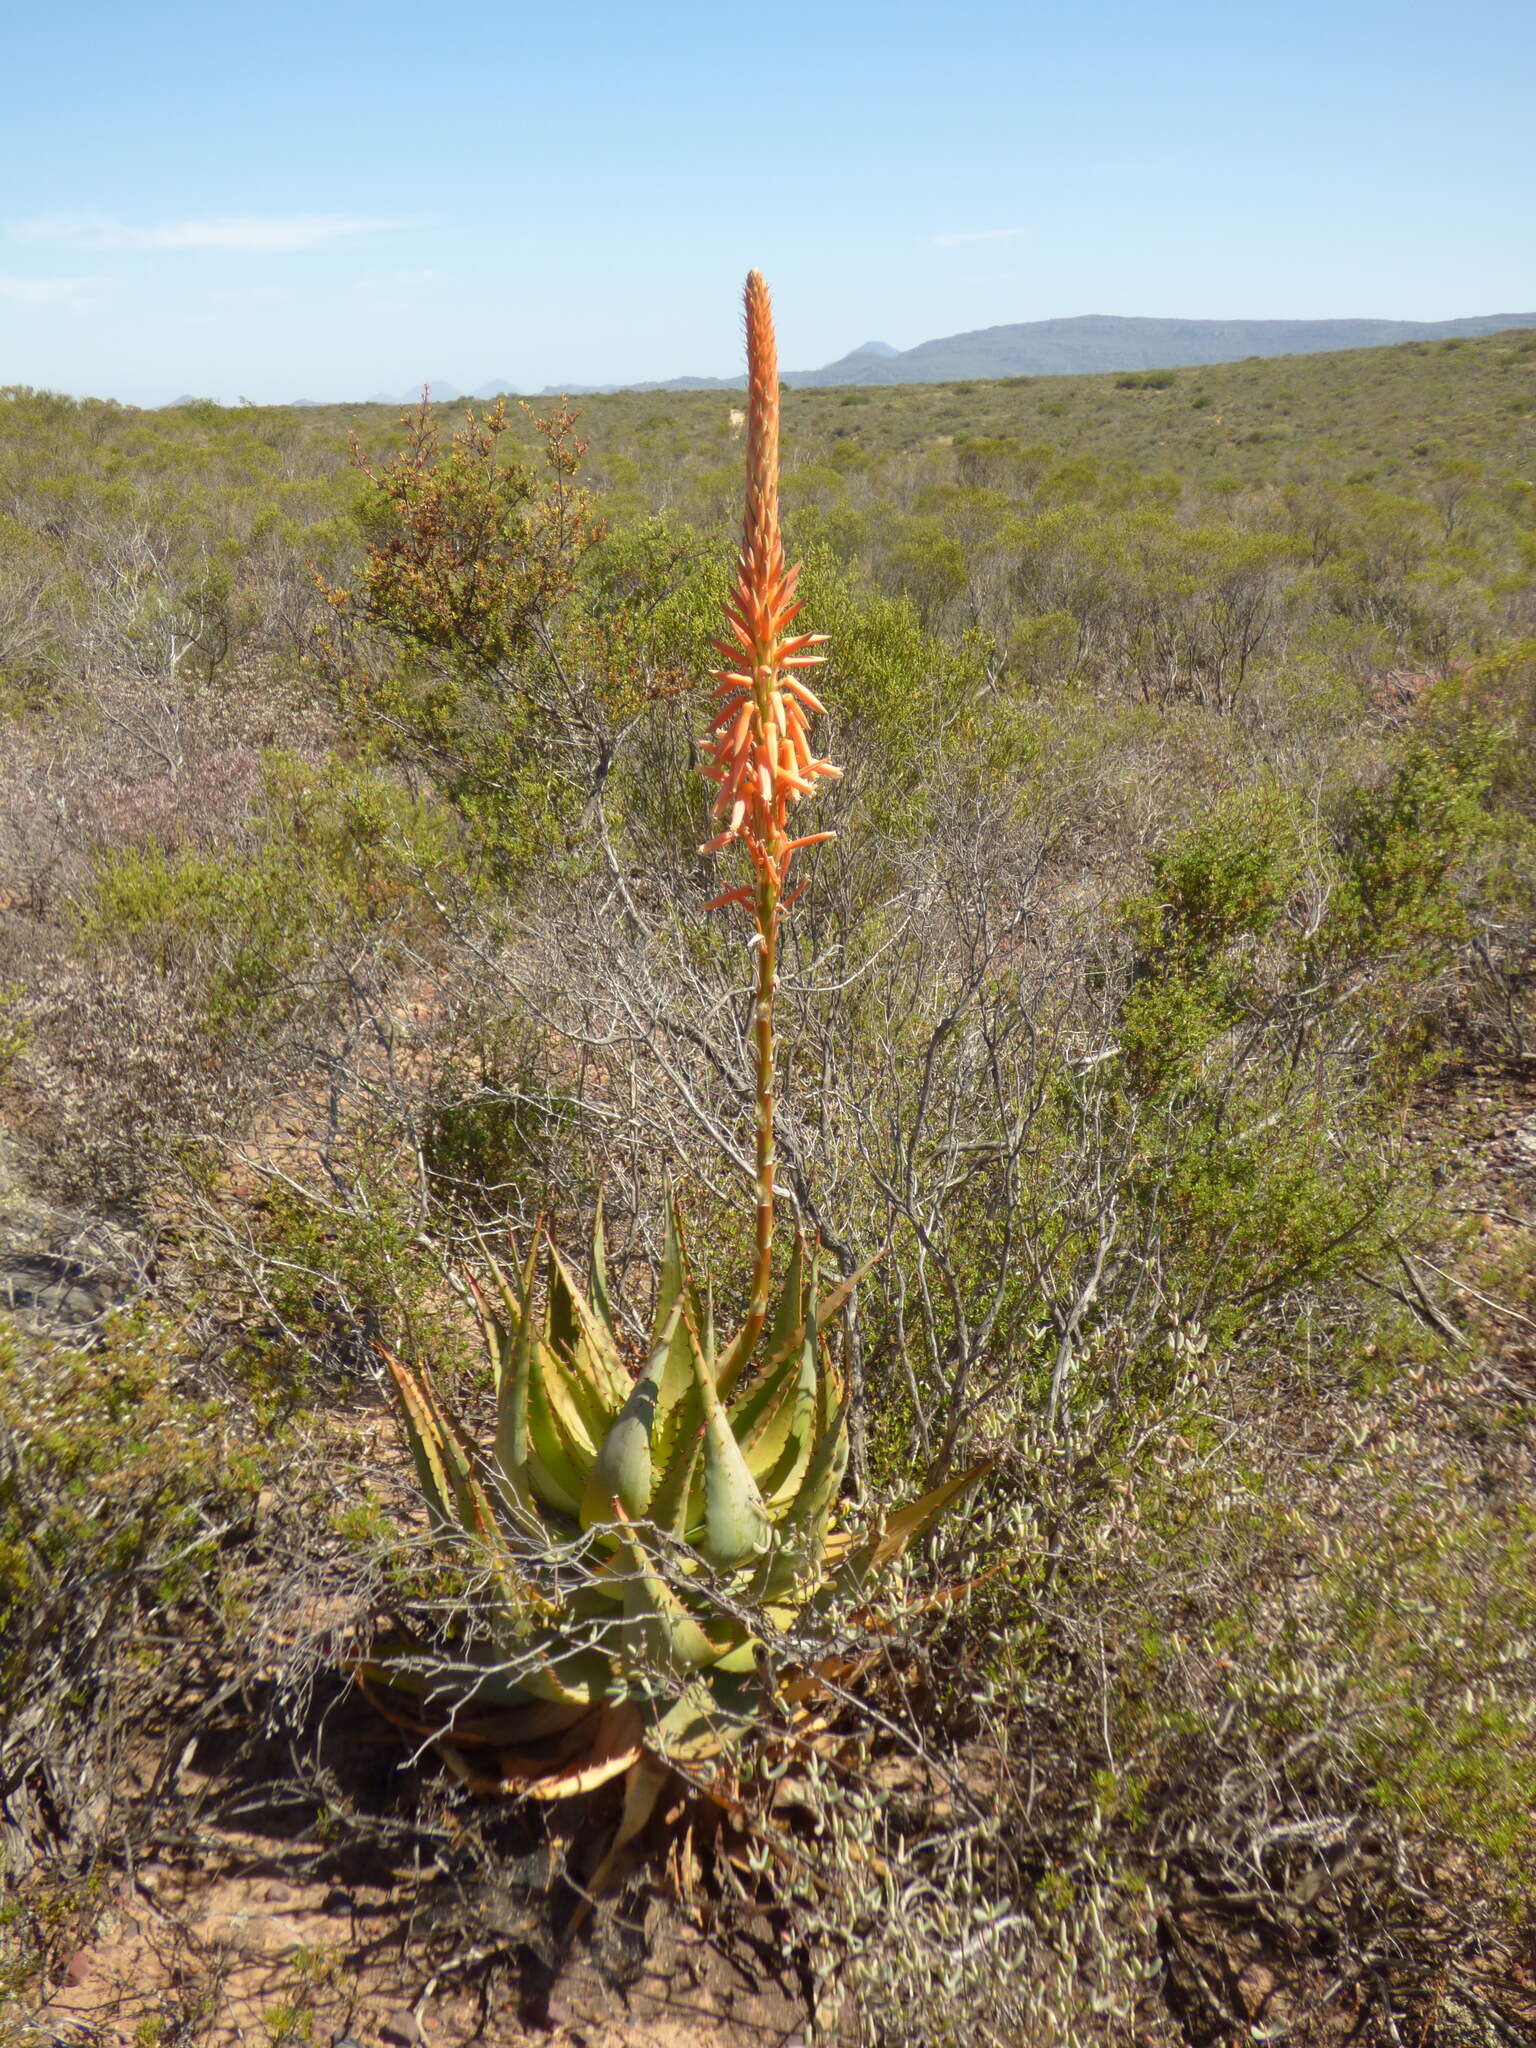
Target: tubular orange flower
(758,747)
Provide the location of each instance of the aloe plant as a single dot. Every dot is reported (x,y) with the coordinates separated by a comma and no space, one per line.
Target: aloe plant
(654,1555)
(657,1561)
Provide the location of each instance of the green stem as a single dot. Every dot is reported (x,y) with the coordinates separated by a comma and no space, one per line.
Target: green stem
(767,968)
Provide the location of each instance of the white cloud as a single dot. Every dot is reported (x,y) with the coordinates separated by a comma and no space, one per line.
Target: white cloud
(977,235)
(44,291)
(246,234)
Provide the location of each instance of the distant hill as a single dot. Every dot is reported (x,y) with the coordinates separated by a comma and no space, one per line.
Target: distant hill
(1088,343)
(1102,341)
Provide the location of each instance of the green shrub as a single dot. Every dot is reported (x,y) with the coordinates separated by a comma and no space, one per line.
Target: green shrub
(1398,849)
(1218,889)
(117,1483)
(338,849)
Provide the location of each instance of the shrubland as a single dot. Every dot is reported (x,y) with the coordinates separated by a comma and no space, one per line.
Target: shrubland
(1159,1021)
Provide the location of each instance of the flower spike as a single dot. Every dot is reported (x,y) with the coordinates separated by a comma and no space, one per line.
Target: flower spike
(756,749)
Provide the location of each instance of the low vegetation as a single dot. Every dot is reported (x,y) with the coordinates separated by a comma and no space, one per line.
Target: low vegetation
(1151,1065)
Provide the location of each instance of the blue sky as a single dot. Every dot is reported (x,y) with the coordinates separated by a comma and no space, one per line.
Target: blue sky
(324,201)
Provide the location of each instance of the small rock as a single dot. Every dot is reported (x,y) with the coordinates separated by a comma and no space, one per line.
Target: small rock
(402,2027)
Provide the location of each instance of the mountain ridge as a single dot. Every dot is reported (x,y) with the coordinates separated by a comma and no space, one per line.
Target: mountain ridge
(1097,342)
(1077,345)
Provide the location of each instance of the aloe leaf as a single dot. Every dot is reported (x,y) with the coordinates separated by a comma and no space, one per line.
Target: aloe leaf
(796,1566)
(919,1516)
(693,1729)
(450,1459)
(602,1302)
(623,1467)
(783,1455)
(644,1783)
(514,1368)
(764,1417)
(589,1607)
(424,1438)
(831,1304)
(408,1671)
(881,1550)
(578,1336)
(534,1722)
(830,1392)
(517,1300)
(660,1632)
(676,1382)
(554,1488)
(789,1310)
(558,1477)
(521,1773)
(672,1496)
(736,1524)
(670,1281)
(560,1325)
(540,1697)
(572,1678)
(581,1430)
(731,1363)
(823,1474)
(471,1500)
(617,1744)
(445,1462)
(498,1335)
(741,1658)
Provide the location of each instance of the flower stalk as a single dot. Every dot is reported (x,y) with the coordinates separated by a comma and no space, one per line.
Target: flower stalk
(758,748)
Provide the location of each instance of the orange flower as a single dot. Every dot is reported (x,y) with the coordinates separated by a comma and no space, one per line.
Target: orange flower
(758,748)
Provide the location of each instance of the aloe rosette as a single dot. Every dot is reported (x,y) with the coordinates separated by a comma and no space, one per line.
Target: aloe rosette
(689,1510)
